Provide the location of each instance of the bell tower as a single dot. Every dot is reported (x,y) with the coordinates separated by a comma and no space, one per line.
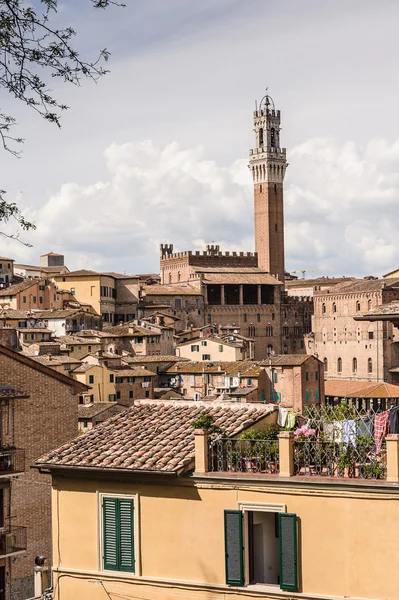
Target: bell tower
(267,162)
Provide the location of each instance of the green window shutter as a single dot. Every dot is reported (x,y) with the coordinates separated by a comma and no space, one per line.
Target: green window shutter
(262,396)
(126,541)
(110,533)
(307,395)
(233,544)
(287,527)
(118,537)
(317,395)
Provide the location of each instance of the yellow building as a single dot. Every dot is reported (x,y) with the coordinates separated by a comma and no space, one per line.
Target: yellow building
(212,349)
(145,508)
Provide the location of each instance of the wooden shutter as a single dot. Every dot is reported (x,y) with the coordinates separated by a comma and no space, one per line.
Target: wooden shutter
(118,536)
(126,537)
(287,527)
(110,533)
(233,547)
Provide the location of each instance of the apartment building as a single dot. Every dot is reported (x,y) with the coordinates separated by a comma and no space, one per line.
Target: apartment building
(32,398)
(39,294)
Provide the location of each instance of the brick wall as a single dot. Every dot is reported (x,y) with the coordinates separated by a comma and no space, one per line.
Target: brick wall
(37,428)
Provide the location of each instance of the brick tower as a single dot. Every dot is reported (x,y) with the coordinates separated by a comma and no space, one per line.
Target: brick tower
(267,162)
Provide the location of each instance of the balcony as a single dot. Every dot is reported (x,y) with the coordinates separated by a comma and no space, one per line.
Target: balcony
(12,461)
(12,540)
(243,456)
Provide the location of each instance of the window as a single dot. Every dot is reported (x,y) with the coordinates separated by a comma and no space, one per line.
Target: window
(339,365)
(204,343)
(118,395)
(307,376)
(80,399)
(119,380)
(326,364)
(358,306)
(220,347)
(275,377)
(272,536)
(369,304)
(269,331)
(370,365)
(55,297)
(285,330)
(249,381)
(323,308)
(177,302)
(307,396)
(34,299)
(131,379)
(261,137)
(194,348)
(354,365)
(258,317)
(24,299)
(316,375)
(334,307)
(91,378)
(170,277)
(285,349)
(147,378)
(208,319)
(85,423)
(251,331)
(245,317)
(371,335)
(178,275)
(273,317)
(73,291)
(147,394)
(131,394)
(206,357)
(297,330)
(118,534)
(317,395)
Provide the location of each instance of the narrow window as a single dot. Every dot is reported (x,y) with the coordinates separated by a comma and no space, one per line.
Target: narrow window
(258,317)
(339,365)
(261,137)
(334,307)
(91,378)
(354,365)
(323,308)
(371,335)
(111,378)
(358,306)
(131,394)
(118,534)
(370,365)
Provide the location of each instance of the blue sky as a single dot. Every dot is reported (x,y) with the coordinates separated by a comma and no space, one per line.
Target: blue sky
(157,150)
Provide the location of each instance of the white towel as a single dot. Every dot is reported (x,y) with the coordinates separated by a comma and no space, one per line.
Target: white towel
(282,416)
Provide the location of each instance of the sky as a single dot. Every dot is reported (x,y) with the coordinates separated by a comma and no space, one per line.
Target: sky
(157,150)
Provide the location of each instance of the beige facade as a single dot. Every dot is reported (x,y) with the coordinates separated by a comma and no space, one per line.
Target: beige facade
(203,534)
(209,348)
(6,269)
(354,349)
(40,294)
(296,382)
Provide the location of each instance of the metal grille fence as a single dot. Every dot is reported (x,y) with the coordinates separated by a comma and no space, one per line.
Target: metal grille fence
(245,456)
(342,441)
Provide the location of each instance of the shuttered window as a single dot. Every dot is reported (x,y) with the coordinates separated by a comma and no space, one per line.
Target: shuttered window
(307,396)
(118,536)
(233,547)
(287,527)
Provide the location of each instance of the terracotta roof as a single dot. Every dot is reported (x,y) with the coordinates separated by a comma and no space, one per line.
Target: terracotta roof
(289,360)
(5,258)
(153,358)
(317,281)
(18,314)
(346,388)
(131,372)
(384,311)
(130,331)
(88,411)
(39,367)
(255,277)
(84,367)
(362,285)
(153,435)
(243,391)
(19,287)
(55,361)
(182,289)
(34,329)
(30,267)
(60,313)
(246,368)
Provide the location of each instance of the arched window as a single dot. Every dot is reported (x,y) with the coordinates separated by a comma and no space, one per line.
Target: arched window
(369,305)
(339,365)
(323,308)
(370,365)
(269,349)
(258,317)
(272,137)
(334,307)
(245,317)
(285,314)
(170,277)
(358,306)
(354,365)
(272,316)
(178,275)
(326,364)
(260,137)
(269,331)
(285,349)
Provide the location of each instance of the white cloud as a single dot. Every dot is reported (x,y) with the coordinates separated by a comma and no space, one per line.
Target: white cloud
(340,208)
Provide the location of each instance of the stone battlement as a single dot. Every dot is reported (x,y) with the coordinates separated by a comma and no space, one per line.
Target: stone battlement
(266,112)
(212,254)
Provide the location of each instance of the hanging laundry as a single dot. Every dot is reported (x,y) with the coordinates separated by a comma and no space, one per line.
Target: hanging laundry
(337,429)
(349,432)
(282,416)
(394,420)
(365,427)
(291,418)
(328,429)
(381,428)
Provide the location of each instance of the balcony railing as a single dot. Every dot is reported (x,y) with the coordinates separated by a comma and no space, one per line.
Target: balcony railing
(13,539)
(244,456)
(12,461)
